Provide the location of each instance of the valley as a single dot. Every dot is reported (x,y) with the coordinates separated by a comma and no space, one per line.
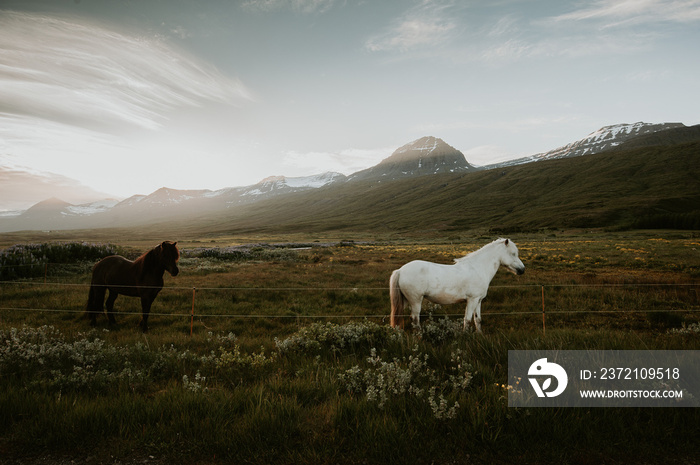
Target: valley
(648,178)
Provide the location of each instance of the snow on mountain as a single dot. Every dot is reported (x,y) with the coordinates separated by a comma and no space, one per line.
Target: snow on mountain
(11,213)
(133,200)
(280,184)
(92,208)
(315,182)
(423,147)
(167,196)
(605,138)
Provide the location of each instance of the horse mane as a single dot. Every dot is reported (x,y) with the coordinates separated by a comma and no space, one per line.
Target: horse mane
(147,261)
(151,259)
(470,254)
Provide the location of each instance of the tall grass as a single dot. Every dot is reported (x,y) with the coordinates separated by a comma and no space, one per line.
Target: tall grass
(397,395)
(291,360)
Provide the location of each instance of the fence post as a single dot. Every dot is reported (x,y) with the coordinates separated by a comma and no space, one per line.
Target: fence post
(543,326)
(194,289)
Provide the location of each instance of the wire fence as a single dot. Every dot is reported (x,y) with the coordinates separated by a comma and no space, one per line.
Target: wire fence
(192,308)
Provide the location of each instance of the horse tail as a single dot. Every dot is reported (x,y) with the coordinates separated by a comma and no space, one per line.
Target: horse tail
(397,298)
(96,297)
(90,306)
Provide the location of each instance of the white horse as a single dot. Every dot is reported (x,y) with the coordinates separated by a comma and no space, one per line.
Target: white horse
(467,280)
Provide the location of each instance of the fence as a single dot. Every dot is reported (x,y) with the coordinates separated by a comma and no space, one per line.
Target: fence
(549,300)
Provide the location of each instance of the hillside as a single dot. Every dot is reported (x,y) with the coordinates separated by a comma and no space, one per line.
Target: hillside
(647,187)
(668,137)
(649,180)
(606,138)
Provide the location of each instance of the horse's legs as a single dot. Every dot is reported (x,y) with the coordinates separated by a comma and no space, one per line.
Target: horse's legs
(95,306)
(145,310)
(473,305)
(477,316)
(415,304)
(110,306)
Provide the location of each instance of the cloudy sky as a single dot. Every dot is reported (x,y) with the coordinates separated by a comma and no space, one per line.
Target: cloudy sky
(128,96)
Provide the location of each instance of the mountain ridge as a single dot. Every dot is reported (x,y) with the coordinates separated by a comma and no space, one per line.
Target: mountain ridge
(605,138)
(425,156)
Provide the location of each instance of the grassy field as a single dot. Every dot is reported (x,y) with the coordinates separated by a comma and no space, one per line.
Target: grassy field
(291,359)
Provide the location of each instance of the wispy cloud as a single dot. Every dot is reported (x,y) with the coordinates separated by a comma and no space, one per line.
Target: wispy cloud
(603,28)
(78,73)
(300,6)
(76,95)
(630,12)
(425,25)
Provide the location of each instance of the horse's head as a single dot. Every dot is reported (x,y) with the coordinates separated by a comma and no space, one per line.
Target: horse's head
(509,258)
(169,255)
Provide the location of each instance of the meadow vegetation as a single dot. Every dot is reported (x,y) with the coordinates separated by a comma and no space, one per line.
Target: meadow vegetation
(291,360)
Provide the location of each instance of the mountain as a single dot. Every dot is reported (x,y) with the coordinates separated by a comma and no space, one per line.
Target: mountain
(667,137)
(54,213)
(21,188)
(425,156)
(275,185)
(605,138)
(647,187)
(650,162)
(161,205)
(172,203)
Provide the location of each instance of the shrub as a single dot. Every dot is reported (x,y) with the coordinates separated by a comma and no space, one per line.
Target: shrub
(332,337)
(237,367)
(261,252)
(29,260)
(441,331)
(383,380)
(43,357)
(692,328)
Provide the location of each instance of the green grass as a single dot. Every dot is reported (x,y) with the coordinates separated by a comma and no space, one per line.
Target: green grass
(280,369)
(298,409)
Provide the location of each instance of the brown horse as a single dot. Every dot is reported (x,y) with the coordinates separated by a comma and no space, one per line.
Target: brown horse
(141,278)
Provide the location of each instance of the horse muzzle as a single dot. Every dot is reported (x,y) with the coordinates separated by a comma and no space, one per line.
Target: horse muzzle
(517,269)
(174,271)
